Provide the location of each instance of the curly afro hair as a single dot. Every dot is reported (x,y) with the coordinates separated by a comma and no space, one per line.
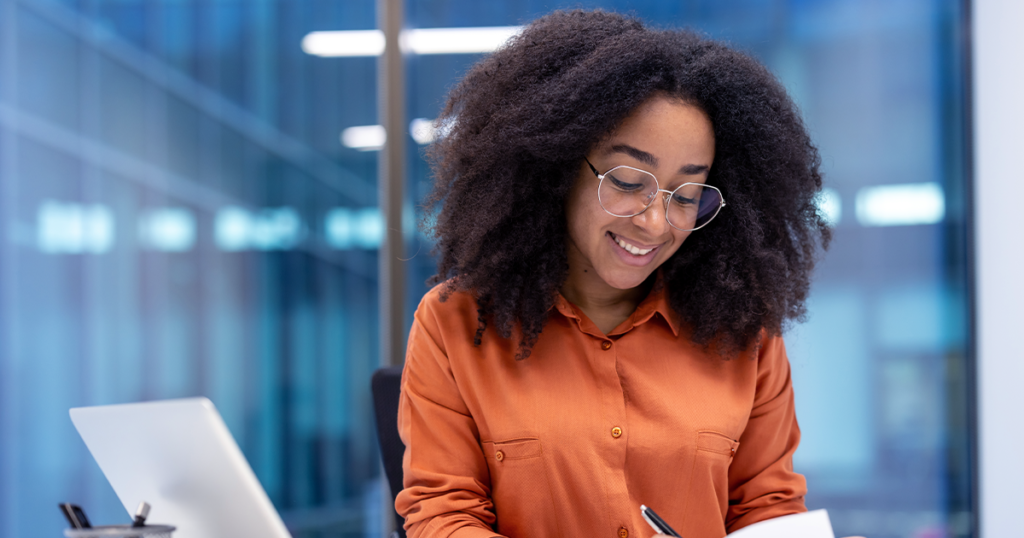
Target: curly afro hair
(523,119)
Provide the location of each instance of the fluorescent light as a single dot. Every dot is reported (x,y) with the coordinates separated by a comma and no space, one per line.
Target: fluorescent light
(347,228)
(231,229)
(351,43)
(422,131)
(348,43)
(276,229)
(238,229)
(338,228)
(364,137)
(369,228)
(456,40)
(168,229)
(373,137)
(830,205)
(901,205)
(71,228)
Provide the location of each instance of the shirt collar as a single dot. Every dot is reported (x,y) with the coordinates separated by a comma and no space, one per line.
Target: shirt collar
(656,302)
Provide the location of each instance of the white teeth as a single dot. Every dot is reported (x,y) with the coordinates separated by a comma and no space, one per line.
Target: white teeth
(631,249)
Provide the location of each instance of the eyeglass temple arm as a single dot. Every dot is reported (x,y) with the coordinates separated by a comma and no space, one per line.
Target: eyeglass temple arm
(596,173)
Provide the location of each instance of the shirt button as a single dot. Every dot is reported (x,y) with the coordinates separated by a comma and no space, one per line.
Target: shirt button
(623,533)
(606,345)
(499,456)
(616,432)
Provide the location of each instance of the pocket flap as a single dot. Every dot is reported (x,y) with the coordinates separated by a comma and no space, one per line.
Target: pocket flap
(514,449)
(712,441)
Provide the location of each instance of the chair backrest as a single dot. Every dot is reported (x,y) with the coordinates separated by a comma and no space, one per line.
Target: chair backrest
(386,386)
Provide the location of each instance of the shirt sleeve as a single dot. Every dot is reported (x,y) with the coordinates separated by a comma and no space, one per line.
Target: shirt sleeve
(762,483)
(446,479)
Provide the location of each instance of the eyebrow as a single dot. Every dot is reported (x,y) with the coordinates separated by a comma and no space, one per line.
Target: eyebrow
(652,161)
(638,154)
(694,169)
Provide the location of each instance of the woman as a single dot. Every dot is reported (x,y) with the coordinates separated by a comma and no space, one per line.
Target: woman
(627,223)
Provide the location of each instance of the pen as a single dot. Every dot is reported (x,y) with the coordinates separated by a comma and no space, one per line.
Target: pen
(657,523)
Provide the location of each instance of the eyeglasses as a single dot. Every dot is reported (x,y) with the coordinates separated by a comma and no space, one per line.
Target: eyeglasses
(625,191)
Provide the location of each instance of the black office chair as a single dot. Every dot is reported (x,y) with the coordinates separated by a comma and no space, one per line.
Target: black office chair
(386,386)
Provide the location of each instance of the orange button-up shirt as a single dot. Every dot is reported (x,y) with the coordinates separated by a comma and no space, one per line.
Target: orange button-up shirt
(572,440)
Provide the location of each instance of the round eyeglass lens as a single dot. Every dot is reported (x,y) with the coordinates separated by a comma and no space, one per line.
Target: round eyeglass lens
(626,191)
(693,205)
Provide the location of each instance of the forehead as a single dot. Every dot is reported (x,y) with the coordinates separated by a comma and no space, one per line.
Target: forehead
(665,128)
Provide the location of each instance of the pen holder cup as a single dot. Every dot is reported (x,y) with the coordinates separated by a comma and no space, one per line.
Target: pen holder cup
(121,531)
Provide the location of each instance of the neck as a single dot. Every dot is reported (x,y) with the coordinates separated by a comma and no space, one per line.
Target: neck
(584,288)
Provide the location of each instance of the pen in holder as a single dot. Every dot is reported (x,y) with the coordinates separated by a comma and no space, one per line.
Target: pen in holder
(138,528)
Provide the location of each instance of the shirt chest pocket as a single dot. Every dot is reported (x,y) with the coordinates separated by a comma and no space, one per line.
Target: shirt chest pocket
(519,485)
(716,443)
(714,454)
(512,450)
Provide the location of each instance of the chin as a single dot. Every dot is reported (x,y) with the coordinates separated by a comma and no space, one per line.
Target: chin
(626,281)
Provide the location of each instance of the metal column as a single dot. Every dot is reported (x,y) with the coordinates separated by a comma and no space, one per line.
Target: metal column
(391,184)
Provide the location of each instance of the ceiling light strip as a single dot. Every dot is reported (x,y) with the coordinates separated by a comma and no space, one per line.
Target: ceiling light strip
(365,43)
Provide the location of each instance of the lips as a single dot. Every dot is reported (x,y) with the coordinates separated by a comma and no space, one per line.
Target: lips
(632,253)
(630,247)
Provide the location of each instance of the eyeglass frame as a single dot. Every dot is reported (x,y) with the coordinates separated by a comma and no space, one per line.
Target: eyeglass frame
(601,177)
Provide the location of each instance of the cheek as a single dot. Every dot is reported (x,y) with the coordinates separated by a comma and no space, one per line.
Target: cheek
(583,230)
(573,217)
(583,222)
(678,239)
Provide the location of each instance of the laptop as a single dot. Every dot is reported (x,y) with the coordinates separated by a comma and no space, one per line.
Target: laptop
(178,456)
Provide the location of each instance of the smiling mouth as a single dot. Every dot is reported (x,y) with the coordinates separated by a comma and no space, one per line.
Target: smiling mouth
(634,250)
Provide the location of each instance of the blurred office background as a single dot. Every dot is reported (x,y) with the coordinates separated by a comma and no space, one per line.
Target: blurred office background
(189,206)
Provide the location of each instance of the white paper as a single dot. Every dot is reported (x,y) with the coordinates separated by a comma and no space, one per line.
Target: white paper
(814,524)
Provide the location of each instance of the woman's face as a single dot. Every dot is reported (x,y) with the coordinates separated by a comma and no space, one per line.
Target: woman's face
(663,136)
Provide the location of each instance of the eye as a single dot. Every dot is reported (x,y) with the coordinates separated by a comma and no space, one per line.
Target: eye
(683,201)
(623,185)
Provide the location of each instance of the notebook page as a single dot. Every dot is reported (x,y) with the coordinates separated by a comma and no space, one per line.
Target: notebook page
(814,524)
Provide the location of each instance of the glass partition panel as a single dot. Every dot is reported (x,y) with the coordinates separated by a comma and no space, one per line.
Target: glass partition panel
(180,218)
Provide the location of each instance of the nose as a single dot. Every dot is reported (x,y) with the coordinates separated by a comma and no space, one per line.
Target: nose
(653,220)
